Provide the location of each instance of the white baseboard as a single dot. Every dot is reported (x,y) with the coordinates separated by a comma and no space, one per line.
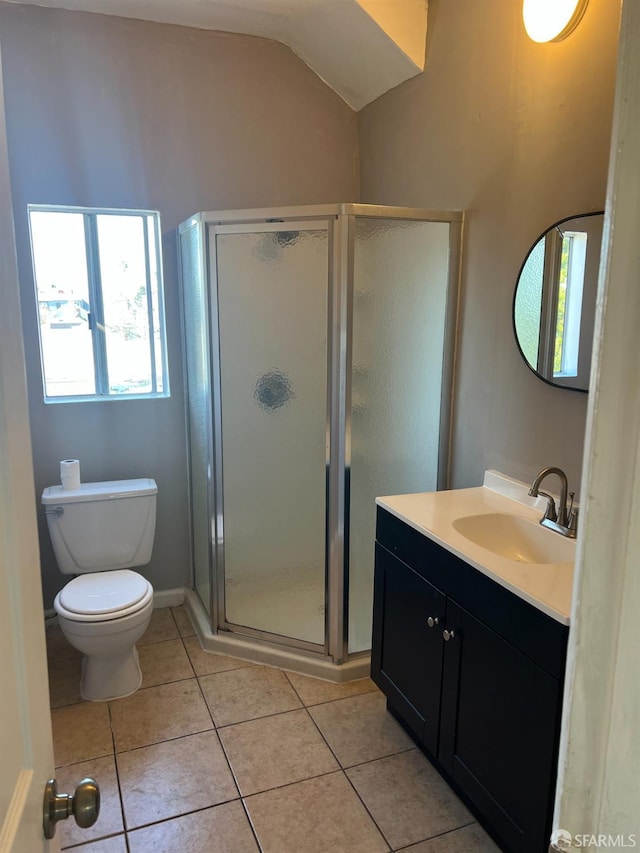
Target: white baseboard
(168,597)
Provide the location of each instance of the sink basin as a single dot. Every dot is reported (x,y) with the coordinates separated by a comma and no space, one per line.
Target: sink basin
(515,538)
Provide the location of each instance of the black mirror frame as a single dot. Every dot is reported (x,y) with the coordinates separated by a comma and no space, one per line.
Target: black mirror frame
(513,304)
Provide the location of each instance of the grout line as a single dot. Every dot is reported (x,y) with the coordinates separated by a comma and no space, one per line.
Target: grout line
(164,740)
(69,705)
(94,841)
(368,811)
(237,784)
(206,704)
(183,814)
(241,665)
(251,826)
(140,689)
(255,719)
(366,808)
(160,684)
(295,782)
(140,645)
(186,651)
(439,835)
(117,771)
(346,767)
(374,689)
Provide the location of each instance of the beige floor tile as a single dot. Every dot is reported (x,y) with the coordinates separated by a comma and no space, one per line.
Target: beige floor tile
(321,815)
(185,626)
(313,691)
(360,728)
(470,839)
(206,663)
(117,844)
(164,662)
(175,777)
(274,751)
(159,713)
(81,732)
(109,822)
(161,627)
(224,829)
(64,681)
(58,647)
(408,799)
(245,694)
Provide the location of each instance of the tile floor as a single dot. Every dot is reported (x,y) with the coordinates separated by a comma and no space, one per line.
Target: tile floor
(216,755)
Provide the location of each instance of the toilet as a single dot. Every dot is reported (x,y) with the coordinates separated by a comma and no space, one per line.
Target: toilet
(99,532)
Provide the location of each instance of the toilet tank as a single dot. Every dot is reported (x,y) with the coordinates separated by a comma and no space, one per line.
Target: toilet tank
(102,526)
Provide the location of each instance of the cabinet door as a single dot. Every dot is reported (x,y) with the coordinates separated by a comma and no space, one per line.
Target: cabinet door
(498,731)
(406,660)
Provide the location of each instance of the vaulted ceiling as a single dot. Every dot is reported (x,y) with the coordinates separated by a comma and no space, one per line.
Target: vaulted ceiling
(360,48)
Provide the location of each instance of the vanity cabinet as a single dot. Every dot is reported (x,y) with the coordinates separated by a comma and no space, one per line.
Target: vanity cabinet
(475,674)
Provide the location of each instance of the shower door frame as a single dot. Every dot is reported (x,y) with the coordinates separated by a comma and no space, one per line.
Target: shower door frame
(218,592)
(339,220)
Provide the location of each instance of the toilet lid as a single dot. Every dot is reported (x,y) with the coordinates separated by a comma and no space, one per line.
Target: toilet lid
(103,592)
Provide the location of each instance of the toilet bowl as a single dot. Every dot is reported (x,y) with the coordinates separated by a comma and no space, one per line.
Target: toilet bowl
(99,532)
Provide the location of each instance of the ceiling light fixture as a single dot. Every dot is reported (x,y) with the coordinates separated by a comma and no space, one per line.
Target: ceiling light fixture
(552,20)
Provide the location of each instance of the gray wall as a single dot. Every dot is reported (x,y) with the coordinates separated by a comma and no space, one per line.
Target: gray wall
(118,113)
(110,112)
(517,135)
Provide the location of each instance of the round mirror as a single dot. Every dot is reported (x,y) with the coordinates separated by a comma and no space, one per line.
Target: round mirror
(555,300)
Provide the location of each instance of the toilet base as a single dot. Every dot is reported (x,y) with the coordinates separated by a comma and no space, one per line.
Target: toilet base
(106,677)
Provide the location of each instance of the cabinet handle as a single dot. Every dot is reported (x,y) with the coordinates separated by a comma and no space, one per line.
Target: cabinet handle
(448,635)
(432,620)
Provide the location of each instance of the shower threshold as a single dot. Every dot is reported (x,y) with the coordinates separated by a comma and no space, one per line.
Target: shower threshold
(260,651)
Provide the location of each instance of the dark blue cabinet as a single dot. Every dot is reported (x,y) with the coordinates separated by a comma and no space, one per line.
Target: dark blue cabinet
(475,675)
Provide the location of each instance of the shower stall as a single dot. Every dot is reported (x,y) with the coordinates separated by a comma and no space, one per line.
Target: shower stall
(319,347)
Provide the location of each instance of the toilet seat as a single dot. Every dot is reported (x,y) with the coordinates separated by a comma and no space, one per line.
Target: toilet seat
(103,596)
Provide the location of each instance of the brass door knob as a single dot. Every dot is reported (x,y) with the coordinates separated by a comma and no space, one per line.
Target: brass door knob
(84,805)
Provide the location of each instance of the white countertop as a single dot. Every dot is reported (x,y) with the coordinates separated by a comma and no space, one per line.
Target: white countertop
(547,586)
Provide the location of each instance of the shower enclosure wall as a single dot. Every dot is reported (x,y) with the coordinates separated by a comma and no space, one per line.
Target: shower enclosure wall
(319,352)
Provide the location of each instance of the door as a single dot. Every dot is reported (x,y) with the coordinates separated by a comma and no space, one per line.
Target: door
(25,727)
(500,716)
(271,427)
(406,660)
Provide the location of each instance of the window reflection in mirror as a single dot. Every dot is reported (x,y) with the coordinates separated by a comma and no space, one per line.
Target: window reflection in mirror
(554,302)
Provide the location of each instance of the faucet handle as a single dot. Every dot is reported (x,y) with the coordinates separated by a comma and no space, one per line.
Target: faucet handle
(572,519)
(550,512)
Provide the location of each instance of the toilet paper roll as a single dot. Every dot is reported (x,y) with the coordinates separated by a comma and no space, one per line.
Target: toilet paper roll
(70,474)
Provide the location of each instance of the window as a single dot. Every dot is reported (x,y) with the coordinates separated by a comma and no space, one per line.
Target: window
(569,315)
(98,278)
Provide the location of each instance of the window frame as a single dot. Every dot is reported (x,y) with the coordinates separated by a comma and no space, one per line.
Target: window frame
(575,244)
(95,319)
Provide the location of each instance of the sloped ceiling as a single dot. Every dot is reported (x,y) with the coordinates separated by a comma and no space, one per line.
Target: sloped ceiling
(360,48)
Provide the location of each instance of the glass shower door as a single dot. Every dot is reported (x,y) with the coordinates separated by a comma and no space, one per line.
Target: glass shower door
(272,440)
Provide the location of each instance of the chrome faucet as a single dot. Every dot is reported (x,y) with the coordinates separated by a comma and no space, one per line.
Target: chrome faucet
(564,520)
